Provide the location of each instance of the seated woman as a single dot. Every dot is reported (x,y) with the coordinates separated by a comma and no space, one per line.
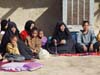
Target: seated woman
(13,30)
(86,39)
(43,39)
(27,30)
(4,25)
(62,41)
(13,53)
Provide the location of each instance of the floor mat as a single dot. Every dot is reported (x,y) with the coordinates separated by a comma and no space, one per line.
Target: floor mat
(20,66)
(81,54)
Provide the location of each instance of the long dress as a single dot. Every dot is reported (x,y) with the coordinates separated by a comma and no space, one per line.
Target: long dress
(59,35)
(69,47)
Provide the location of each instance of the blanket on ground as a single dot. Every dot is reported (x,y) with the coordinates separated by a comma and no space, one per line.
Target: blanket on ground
(20,66)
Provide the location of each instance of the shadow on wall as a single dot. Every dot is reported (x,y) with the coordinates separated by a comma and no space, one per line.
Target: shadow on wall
(49,18)
(24,4)
(97,0)
(46,21)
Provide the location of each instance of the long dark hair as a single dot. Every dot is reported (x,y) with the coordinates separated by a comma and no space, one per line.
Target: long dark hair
(28,25)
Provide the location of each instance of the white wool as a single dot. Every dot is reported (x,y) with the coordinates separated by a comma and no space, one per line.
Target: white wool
(43,54)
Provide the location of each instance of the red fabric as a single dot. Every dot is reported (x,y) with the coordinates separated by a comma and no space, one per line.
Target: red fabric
(81,54)
(23,35)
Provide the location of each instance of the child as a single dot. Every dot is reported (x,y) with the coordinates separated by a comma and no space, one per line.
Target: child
(13,53)
(34,42)
(43,39)
(97,44)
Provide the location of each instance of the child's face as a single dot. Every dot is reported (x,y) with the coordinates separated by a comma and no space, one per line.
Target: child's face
(41,34)
(14,40)
(35,33)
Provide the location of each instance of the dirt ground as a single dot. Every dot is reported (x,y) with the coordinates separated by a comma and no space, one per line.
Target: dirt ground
(62,65)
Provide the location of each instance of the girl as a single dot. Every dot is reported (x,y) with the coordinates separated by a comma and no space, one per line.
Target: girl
(43,39)
(34,41)
(13,53)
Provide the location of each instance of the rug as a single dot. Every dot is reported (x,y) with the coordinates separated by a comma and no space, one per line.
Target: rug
(19,66)
(81,54)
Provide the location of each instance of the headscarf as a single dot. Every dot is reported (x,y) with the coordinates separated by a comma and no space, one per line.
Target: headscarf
(59,35)
(8,33)
(3,25)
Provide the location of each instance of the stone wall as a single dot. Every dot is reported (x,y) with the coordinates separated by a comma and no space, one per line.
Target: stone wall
(44,12)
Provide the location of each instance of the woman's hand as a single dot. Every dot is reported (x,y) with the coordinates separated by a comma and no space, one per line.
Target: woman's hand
(55,42)
(63,42)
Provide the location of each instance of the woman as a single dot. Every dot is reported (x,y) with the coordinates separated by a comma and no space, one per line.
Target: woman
(4,25)
(3,28)
(12,30)
(62,41)
(27,30)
